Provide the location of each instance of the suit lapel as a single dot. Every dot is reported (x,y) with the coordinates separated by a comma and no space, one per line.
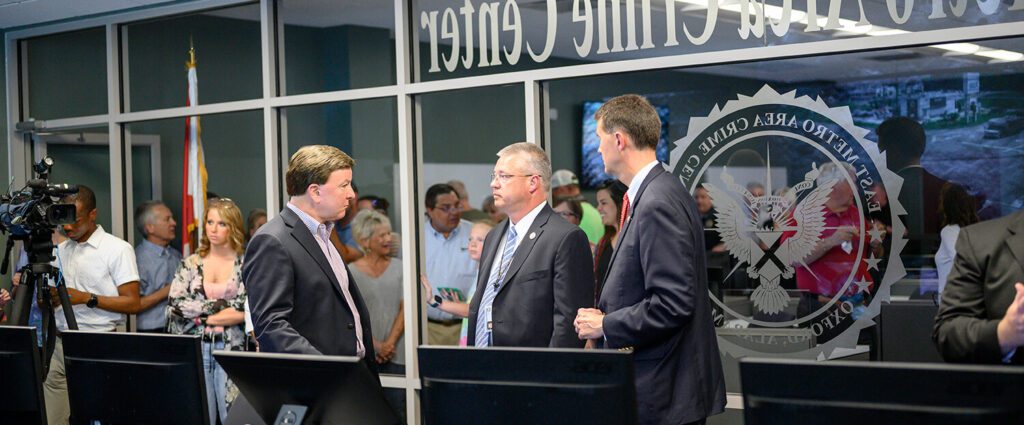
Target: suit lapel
(301,234)
(655,172)
(524,248)
(1016,240)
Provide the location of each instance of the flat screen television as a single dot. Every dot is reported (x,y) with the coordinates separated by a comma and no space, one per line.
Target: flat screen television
(503,385)
(325,390)
(22,377)
(592,173)
(786,391)
(130,378)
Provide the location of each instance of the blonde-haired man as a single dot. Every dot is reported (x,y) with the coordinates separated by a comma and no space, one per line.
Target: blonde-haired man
(302,296)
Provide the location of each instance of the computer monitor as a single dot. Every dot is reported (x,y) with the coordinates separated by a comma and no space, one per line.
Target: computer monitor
(332,389)
(905,332)
(789,391)
(527,386)
(129,378)
(22,399)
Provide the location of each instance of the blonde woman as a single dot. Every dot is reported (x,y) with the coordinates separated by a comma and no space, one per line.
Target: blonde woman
(379,278)
(207,297)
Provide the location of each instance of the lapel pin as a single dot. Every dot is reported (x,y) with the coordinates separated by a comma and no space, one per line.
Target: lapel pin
(533,235)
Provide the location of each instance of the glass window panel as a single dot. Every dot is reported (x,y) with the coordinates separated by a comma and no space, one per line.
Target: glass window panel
(462,131)
(332,46)
(969,111)
(81,157)
(233,154)
(874,18)
(367,130)
(227,46)
(57,90)
(452,35)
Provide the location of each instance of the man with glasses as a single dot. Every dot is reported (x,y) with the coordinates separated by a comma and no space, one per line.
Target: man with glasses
(448,264)
(535,270)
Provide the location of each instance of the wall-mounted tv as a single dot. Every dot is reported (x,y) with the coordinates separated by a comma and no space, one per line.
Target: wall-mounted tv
(591,165)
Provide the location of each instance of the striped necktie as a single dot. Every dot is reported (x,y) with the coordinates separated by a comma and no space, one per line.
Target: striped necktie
(483,323)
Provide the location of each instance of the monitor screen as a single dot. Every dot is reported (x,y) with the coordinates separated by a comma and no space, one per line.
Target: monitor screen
(527,386)
(333,389)
(592,173)
(803,391)
(129,378)
(22,400)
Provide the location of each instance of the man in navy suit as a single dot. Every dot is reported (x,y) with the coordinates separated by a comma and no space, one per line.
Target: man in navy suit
(655,298)
(536,270)
(302,297)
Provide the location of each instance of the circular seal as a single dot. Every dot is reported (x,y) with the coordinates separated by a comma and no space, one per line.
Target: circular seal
(801,223)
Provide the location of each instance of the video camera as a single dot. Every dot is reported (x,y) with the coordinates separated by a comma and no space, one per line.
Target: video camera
(33,208)
(30,215)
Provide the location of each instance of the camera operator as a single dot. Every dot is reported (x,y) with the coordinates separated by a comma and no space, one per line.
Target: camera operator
(102,281)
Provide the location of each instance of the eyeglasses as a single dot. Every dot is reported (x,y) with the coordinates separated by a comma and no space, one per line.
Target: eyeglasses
(567,214)
(450,209)
(504,178)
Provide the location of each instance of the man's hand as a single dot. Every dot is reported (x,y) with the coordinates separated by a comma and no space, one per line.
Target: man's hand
(844,234)
(589,323)
(5,297)
(77,297)
(1011,328)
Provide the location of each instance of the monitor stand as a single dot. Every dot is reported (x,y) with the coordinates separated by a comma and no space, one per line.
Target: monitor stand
(242,413)
(290,414)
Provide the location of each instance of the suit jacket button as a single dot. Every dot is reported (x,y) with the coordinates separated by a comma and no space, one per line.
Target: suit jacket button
(351,326)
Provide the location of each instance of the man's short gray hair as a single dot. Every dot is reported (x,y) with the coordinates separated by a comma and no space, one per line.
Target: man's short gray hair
(536,160)
(832,171)
(144,215)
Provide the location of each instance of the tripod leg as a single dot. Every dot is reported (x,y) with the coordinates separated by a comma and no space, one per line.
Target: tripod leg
(65,302)
(22,304)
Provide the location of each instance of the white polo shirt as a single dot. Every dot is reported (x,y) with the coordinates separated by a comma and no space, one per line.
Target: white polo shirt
(97,266)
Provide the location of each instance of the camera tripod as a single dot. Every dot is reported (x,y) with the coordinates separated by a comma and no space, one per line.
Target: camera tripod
(35,278)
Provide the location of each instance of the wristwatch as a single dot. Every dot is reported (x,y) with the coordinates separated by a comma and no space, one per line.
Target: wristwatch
(435,302)
(93,301)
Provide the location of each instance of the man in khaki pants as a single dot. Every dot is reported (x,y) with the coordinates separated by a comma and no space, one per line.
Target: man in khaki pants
(446,236)
(103,285)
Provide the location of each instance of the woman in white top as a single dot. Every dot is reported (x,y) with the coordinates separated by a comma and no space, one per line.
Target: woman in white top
(957,209)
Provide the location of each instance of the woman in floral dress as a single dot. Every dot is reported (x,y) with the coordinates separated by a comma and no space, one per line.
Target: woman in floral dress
(207,298)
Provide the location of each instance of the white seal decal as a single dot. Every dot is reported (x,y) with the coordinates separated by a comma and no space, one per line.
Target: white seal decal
(804,219)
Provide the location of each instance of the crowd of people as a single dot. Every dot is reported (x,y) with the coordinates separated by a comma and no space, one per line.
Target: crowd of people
(325,275)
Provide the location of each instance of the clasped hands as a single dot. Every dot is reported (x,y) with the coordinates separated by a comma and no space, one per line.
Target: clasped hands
(385,351)
(589,323)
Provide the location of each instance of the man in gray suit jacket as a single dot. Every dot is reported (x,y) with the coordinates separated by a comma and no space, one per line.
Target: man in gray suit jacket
(302,297)
(981,317)
(536,269)
(655,298)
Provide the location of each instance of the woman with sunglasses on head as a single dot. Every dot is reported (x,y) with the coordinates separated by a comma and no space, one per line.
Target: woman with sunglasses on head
(207,298)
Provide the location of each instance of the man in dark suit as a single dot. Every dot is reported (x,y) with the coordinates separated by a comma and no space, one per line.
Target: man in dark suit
(655,298)
(981,317)
(302,297)
(903,141)
(536,270)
